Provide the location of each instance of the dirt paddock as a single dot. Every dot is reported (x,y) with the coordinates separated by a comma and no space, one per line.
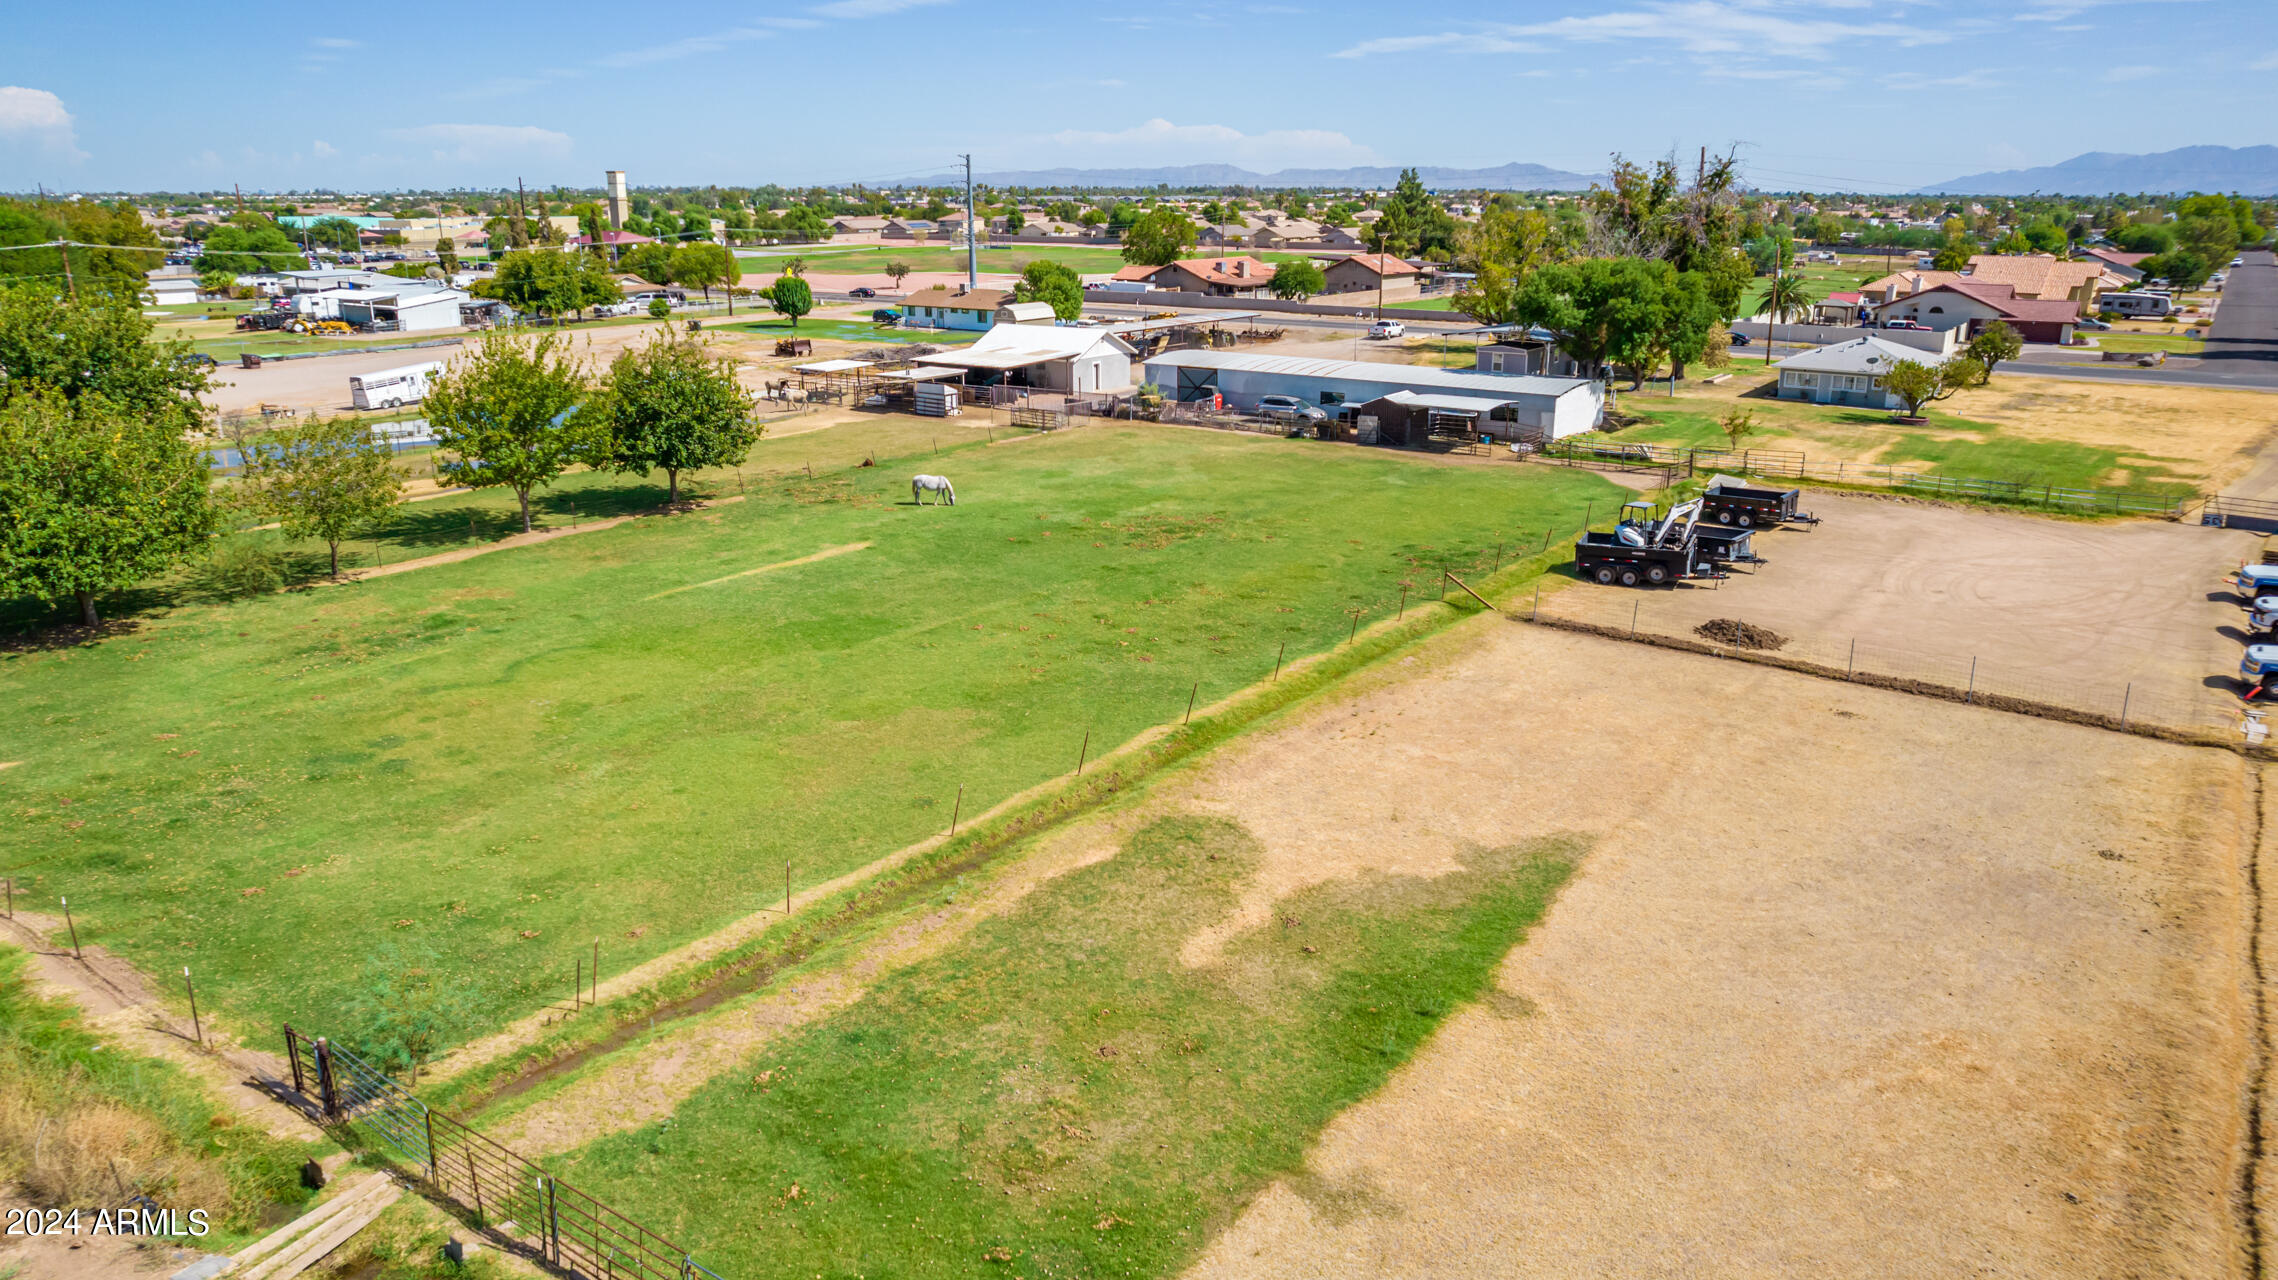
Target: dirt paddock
(1877,986)
(2091,604)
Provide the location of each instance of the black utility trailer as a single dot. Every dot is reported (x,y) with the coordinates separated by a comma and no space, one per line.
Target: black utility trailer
(1647,551)
(1720,545)
(1728,501)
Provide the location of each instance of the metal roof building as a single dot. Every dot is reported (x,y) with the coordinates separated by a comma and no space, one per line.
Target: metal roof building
(1554,406)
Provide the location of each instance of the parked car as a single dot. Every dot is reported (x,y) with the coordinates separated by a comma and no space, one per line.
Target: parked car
(886,316)
(2091,323)
(1915,325)
(196,360)
(1740,339)
(862,291)
(2238,261)
(1288,409)
(1387,329)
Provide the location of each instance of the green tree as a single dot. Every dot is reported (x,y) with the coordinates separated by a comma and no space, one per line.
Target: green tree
(405,1010)
(671,407)
(2180,268)
(1918,384)
(1993,344)
(659,308)
(1737,424)
(2212,236)
(1788,297)
(447,256)
(94,495)
(2013,243)
(1158,238)
(2144,237)
(34,224)
(791,296)
(1952,255)
(1043,280)
(324,479)
(1616,311)
(593,283)
(99,345)
(703,266)
(1015,220)
(896,272)
(503,416)
(2044,236)
(536,281)
(216,282)
(1299,279)
(651,262)
(251,245)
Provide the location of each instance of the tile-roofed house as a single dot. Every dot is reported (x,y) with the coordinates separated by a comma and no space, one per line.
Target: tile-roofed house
(1899,284)
(1234,277)
(855,224)
(1971,305)
(2039,275)
(1223,233)
(1368,272)
(2126,267)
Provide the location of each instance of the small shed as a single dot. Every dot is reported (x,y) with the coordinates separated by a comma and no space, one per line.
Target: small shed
(1413,419)
(1026,313)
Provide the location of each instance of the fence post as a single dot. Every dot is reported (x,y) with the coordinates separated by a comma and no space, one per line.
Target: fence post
(2125,698)
(68,923)
(434,1175)
(1634,606)
(1851,664)
(328,1099)
(1972,695)
(959,810)
(1190,697)
(554,1221)
(198,1028)
(293,1055)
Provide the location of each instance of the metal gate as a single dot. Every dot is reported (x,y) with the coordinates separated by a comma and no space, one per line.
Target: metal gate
(563,1225)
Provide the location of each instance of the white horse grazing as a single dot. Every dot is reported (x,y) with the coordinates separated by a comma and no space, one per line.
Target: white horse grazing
(939,486)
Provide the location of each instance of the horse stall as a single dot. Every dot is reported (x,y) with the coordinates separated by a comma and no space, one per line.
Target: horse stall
(835,381)
(928,390)
(1445,423)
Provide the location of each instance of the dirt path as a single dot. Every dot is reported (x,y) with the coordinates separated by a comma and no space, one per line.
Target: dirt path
(530,539)
(120,1006)
(1853,984)
(644,1085)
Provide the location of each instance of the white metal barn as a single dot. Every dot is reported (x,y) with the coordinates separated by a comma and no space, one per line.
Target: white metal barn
(402,310)
(1553,406)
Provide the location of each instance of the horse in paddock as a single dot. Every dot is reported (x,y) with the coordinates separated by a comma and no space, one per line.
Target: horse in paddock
(938,486)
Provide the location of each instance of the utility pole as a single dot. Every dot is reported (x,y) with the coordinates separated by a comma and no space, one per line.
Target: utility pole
(64,246)
(972,237)
(521,213)
(240,196)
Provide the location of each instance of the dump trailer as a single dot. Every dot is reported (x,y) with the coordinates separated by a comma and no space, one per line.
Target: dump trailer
(1720,545)
(1643,550)
(1729,501)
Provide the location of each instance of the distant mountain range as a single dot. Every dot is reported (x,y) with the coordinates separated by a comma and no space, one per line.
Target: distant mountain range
(1509,177)
(2241,170)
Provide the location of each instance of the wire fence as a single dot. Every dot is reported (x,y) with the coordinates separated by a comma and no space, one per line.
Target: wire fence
(1791,465)
(562,1225)
(1677,620)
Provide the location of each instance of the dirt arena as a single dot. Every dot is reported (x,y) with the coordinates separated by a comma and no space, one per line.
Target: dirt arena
(1877,987)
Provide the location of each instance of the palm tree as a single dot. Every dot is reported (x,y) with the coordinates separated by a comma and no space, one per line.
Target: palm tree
(1789,296)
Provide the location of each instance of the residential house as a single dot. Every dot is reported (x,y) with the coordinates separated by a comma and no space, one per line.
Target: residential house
(1845,373)
(1900,284)
(959,307)
(1368,272)
(855,224)
(1284,233)
(1222,235)
(1242,277)
(2127,266)
(908,229)
(1970,306)
(2041,276)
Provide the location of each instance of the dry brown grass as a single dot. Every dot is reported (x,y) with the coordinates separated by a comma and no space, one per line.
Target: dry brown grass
(91,1152)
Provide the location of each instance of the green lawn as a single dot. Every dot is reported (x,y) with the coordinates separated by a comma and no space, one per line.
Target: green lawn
(848,330)
(1948,446)
(2174,344)
(1060,1094)
(1437,302)
(490,763)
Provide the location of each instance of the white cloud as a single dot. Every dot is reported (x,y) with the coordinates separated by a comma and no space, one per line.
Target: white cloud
(869,8)
(2267,62)
(476,143)
(1763,28)
(336,42)
(37,117)
(2060,10)
(323,150)
(2122,75)
(1159,141)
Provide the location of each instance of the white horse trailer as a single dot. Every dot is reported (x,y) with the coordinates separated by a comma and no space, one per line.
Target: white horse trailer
(392,388)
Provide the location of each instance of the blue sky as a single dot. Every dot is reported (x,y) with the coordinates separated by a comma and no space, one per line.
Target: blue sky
(1857,94)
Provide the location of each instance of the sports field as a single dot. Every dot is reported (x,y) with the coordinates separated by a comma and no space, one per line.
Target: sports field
(479,768)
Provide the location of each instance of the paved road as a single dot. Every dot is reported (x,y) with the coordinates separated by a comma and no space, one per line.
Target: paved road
(2244,339)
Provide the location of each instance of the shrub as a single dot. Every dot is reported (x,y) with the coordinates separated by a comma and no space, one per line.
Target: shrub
(240,567)
(659,308)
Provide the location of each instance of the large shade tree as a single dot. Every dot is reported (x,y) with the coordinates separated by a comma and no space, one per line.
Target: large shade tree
(94,495)
(327,479)
(669,406)
(504,416)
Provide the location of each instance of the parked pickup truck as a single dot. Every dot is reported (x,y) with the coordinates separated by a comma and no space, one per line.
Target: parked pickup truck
(1728,501)
(2252,580)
